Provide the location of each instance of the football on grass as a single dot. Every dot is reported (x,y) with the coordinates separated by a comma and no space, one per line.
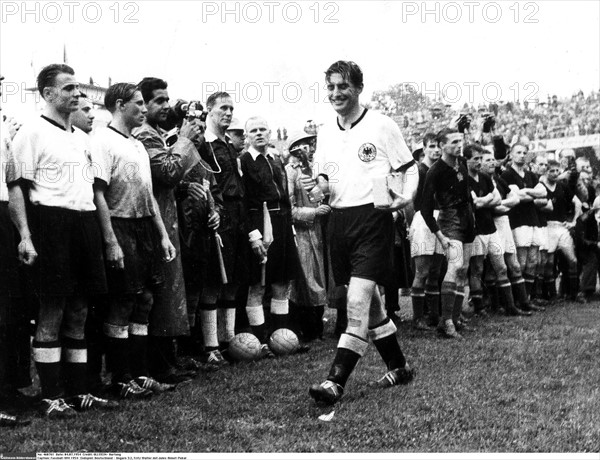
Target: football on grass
(244,347)
(283,342)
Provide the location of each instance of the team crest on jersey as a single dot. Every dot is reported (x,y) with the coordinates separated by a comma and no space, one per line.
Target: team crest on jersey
(367,152)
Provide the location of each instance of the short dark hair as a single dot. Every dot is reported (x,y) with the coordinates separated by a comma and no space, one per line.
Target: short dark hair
(472,149)
(429,137)
(148,85)
(47,76)
(442,136)
(512,147)
(212,99)
(350,71)
(123,91)
(553,164)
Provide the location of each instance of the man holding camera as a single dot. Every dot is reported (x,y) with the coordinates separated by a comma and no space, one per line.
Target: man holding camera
(169,165)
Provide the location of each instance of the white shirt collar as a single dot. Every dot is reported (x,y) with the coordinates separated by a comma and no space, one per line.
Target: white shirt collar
(255,153)
(209,136)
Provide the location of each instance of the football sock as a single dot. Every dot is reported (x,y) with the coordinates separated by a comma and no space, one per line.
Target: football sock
(493,293)
(46,356)
(226,320)
(505,295)
(551,287)
(74,366)
(519,292)
(208,323)
(256,319)
(138,349)
(447,298)
(418,302)
(279,313)
(432,302)
(350,349)
(385,340)
(117,352)
(528,284)
(458,303)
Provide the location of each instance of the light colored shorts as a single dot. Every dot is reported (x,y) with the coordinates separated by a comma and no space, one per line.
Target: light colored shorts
(505,234)
(422,241)
(559,237)
(523,236)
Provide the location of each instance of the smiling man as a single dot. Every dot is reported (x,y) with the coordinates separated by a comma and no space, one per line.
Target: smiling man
(354,149)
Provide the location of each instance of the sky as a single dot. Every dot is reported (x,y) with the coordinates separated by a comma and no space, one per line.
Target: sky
(271,55)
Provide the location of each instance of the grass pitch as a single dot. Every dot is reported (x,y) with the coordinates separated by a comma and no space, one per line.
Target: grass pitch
(514,385)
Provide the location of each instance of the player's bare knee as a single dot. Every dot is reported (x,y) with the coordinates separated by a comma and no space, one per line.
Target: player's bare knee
(144,302)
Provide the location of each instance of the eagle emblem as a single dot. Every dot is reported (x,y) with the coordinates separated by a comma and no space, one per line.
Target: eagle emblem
(367,152)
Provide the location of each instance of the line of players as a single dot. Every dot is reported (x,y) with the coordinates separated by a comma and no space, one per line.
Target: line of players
(130,241)
(496,225)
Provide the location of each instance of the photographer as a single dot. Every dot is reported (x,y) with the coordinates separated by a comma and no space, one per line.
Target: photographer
(169,164)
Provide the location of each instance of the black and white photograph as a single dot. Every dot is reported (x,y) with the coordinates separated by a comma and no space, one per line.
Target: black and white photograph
(305,229)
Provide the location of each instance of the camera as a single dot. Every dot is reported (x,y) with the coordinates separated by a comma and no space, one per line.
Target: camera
(194,111)
(182,110)
(489,122)
(464,122)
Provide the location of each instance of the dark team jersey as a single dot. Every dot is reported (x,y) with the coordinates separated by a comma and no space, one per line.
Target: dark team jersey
(222,158)
(423,168)
(542,215)
(501,185)
(524,213)
(447,186)
(562,199)
(484,218)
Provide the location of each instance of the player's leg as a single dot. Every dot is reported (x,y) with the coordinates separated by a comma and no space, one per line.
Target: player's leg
(455,274)
(567,247)
(432,288)
(116,332)
(382,331)
(74,350)
(533,254)
(352,344)
(211,357)
(226,314)
(422,266)
(138,344)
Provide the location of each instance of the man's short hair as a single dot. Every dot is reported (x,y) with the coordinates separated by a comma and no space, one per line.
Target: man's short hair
(553,164)
(255,118)
(47,76)
(148,85)
(350,71)
(472,149)
(122,91)
(429,137)
(521,144)
(442,136)
(212,99)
